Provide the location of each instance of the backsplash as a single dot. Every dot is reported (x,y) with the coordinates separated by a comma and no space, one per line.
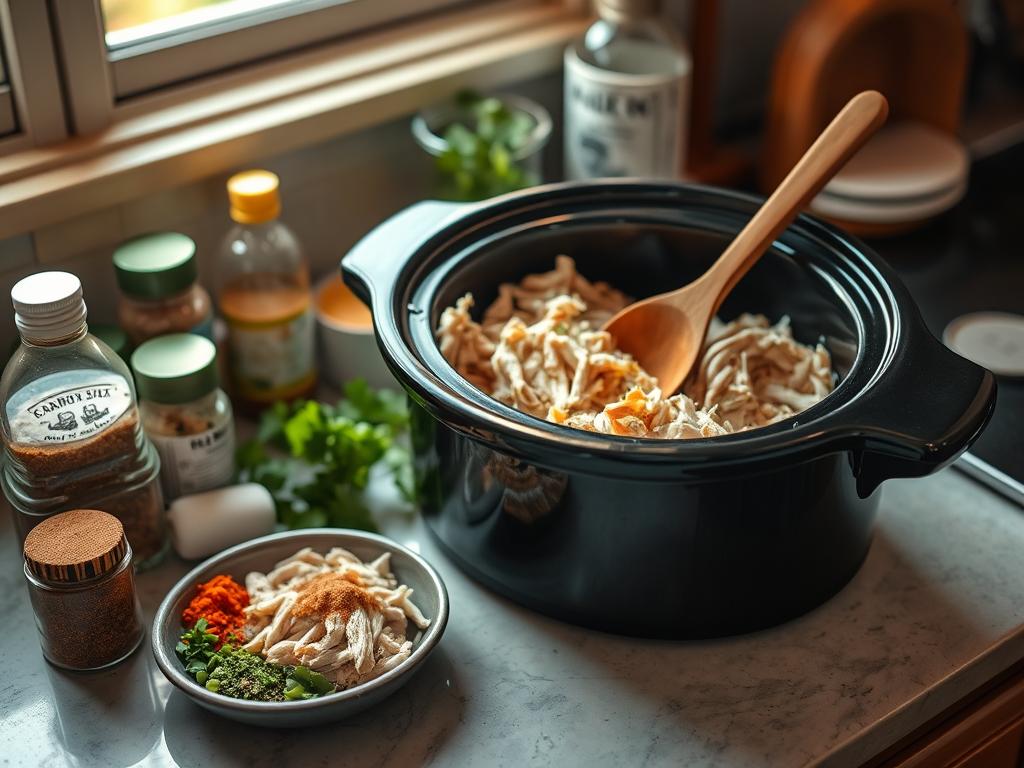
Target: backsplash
(332,194)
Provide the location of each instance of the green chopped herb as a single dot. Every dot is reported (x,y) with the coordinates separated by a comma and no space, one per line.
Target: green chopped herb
(328,451)
(196,647)
(237,673)
(478,161)
(244,675)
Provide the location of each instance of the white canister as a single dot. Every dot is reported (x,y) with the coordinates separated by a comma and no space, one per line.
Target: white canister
(205,523)
(348,347)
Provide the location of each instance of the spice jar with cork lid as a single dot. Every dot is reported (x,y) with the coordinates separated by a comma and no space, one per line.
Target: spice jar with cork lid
(159,293)
(82,588)
(185,412)
(72,434)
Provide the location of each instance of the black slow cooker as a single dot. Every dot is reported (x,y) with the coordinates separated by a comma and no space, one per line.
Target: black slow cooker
(673,538)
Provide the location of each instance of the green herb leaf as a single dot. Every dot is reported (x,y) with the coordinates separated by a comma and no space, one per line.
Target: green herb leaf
(196,647)
(331,452)
(479,160)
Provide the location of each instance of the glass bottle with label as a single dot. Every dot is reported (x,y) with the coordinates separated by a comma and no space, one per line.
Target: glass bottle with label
(264,297)
(627,84)
(185,412)
(72,434)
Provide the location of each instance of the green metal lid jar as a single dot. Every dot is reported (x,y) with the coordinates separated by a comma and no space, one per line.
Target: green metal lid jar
(159,294)
(185,413)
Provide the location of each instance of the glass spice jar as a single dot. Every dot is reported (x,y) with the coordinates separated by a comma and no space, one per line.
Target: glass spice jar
(82,588)
(185,412)
(72,436)
(159,293)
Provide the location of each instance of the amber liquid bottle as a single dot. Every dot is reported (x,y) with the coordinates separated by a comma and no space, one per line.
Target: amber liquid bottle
(264,297)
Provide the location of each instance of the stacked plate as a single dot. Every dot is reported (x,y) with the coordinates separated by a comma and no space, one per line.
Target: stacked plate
(908,173)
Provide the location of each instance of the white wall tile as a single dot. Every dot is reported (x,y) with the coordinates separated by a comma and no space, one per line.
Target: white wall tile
(16,253)
(81,234)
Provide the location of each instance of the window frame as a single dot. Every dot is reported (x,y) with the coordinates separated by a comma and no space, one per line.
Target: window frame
(100,81)
(8,118)
(32,102)
(214,125)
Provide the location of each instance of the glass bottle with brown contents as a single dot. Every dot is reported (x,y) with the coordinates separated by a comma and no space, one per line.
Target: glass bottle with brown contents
(71,428)
(264,297)
(78,565)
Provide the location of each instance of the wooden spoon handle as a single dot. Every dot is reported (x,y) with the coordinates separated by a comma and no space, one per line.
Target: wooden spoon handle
(847,133)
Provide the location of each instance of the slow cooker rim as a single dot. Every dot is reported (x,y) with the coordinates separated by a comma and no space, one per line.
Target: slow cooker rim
(482,415)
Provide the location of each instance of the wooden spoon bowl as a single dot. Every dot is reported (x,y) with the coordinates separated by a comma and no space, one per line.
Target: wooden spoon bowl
(665,333)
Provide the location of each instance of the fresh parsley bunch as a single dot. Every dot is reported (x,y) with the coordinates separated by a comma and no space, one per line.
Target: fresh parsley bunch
(479,160)
(328,452)
(196,648)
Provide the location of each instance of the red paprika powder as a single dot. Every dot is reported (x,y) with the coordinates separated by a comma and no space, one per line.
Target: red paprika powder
(221,601)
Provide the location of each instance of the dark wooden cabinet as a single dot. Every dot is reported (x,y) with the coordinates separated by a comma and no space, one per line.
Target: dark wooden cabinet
(986,732)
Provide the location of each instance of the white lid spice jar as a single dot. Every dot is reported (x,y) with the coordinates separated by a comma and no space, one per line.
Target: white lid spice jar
(185,412)
(71,429)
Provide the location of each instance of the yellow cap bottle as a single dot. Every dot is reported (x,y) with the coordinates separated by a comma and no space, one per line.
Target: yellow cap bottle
(254,197)
(264,298)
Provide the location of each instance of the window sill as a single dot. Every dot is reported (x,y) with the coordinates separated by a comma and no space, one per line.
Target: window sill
(175,138)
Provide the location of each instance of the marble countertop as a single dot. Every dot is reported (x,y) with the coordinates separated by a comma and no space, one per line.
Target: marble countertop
(934,613)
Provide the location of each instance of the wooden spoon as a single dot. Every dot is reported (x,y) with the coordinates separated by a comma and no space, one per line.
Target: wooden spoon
(665,333)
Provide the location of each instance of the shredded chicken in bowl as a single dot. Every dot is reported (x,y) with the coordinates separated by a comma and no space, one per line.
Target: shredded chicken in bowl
(540,348)
(333,613)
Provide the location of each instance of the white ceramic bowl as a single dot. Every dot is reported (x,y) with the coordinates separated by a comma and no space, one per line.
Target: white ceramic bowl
(348,351)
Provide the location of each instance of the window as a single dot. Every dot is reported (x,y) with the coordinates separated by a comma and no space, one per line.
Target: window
(115,50)
(130,21)
(160,93)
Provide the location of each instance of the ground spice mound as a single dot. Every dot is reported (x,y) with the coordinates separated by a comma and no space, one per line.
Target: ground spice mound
(221,601)
(332,593)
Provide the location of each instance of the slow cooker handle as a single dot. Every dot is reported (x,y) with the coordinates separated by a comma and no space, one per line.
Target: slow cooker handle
(924,414)
(372,265)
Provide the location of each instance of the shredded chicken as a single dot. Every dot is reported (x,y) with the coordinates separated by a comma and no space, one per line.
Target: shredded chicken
(540,348)
(347,649)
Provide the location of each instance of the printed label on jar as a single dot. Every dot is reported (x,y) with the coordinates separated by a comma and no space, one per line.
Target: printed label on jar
(622,125)
(67,406)
(270,361)
(196,463)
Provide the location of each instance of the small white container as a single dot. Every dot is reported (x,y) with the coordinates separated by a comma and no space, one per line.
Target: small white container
(204,523)
(348,347)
